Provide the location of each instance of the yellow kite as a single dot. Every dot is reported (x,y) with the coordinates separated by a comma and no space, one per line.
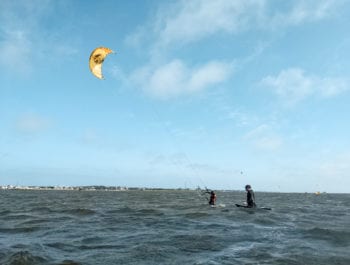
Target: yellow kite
(96,59)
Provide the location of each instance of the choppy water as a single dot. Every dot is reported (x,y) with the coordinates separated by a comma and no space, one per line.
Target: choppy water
(171,227)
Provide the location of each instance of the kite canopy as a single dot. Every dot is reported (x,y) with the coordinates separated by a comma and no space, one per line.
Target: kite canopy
(96,59)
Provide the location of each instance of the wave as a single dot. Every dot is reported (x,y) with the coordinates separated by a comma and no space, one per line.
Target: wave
(196,215)
(103,246)
(17,230)
(149,211)
(61,246)
(79,211)
(5,212)
(121,210)
(35,222)
(69,262)
(340,238)
(25,258)
(17,217)
(265,221)
(195,243)
(42,210)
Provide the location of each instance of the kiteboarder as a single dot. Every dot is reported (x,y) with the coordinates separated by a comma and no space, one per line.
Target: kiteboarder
(250,196)
(212,198)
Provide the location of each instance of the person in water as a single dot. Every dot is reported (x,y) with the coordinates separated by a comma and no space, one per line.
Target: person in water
(212,198)
(250,196)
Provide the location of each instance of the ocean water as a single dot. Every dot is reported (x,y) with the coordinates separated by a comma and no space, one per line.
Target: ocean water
(171,227)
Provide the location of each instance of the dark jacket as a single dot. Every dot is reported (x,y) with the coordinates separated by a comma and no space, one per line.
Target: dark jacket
(250,198)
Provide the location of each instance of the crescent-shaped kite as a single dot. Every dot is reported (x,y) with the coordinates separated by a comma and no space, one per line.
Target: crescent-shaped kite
(96,59)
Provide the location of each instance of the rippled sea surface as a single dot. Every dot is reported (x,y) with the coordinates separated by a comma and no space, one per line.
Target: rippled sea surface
(171,227)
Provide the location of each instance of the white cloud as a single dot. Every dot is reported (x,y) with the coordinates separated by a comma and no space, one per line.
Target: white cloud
(293,85)
(15,52)
(332,86)
(184,22)
(257,131)
(263,137)
(241,119)
(190,21)
(302,12)
(268,142)
(32,123)
(175,78)
(337,167)
(179,160)
(23,37)
(17,23)
(194,20)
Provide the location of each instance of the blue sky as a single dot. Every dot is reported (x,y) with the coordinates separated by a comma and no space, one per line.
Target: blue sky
(209,93)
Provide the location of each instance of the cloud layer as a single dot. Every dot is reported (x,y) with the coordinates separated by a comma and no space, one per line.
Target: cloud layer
(294,85)
(182,23)
(264,138)
(190,21)
(175,78)
(24,39)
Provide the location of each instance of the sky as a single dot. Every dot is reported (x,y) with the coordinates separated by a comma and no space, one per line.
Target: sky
(198,93)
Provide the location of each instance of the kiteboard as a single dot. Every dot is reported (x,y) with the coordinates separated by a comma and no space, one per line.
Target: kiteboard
(247,207)
(220,205)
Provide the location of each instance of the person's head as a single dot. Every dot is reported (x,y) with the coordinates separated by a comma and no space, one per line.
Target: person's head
(248,187)
(212,192)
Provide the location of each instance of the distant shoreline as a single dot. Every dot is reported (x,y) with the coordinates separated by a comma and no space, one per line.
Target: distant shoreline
(124,188)
(85,188)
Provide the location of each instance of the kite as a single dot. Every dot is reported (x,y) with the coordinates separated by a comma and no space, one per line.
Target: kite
(96,59)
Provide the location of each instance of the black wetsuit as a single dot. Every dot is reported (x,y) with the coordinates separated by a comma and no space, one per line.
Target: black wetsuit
(212,198)
(250,198)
